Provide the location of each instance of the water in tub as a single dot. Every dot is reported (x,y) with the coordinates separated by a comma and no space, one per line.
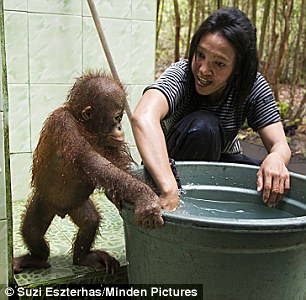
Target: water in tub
(226,202)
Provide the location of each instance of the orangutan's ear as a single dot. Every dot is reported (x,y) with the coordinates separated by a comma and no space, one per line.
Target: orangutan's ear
(87,113)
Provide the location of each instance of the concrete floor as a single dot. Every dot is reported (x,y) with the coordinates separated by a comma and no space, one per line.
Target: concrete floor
(297,164)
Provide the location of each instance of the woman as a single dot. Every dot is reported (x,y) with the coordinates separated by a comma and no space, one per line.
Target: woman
(196,108)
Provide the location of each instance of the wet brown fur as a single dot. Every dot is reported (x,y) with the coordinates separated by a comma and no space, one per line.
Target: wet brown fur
(74,156)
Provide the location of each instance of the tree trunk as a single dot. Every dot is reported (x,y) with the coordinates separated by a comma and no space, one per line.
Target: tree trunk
(177,31)
(197,13)
(303,62)
(301,109)
(254,5)
(189,27)
(284,42)
(296,64)
(246,7)
(263,29)
(159,18)
(274,38)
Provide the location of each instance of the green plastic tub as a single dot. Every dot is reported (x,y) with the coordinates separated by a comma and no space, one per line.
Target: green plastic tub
(223,236)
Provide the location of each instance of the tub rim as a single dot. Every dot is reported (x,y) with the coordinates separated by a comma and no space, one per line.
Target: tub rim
(250,225)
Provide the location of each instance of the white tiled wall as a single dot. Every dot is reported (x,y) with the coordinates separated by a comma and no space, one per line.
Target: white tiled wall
(2,172)
(49,43)
(4,250)
(3,257)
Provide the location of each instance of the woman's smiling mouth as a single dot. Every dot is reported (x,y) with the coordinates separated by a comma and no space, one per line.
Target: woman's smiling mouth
(203,82)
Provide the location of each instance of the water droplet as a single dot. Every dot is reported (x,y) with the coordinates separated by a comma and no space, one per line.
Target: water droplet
(182,192)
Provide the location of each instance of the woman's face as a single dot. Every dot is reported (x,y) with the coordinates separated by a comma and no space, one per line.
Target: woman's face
(212,64)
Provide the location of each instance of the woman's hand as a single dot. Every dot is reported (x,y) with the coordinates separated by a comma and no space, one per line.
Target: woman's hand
(273,176)
(169,201)
(273,179)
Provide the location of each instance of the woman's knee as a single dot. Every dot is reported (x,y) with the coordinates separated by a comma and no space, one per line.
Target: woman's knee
(205,124)
(199,136)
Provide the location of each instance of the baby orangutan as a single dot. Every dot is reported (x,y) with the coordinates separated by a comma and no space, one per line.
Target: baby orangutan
(81,147)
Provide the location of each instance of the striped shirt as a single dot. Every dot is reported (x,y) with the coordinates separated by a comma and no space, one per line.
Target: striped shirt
(259,109)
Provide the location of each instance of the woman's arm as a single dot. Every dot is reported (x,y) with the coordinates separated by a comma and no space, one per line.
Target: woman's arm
(151,144)
(273,176)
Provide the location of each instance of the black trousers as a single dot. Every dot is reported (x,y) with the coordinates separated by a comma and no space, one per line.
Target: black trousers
(200,137)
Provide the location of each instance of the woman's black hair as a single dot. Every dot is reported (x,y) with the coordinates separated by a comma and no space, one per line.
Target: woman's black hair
(234,26)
